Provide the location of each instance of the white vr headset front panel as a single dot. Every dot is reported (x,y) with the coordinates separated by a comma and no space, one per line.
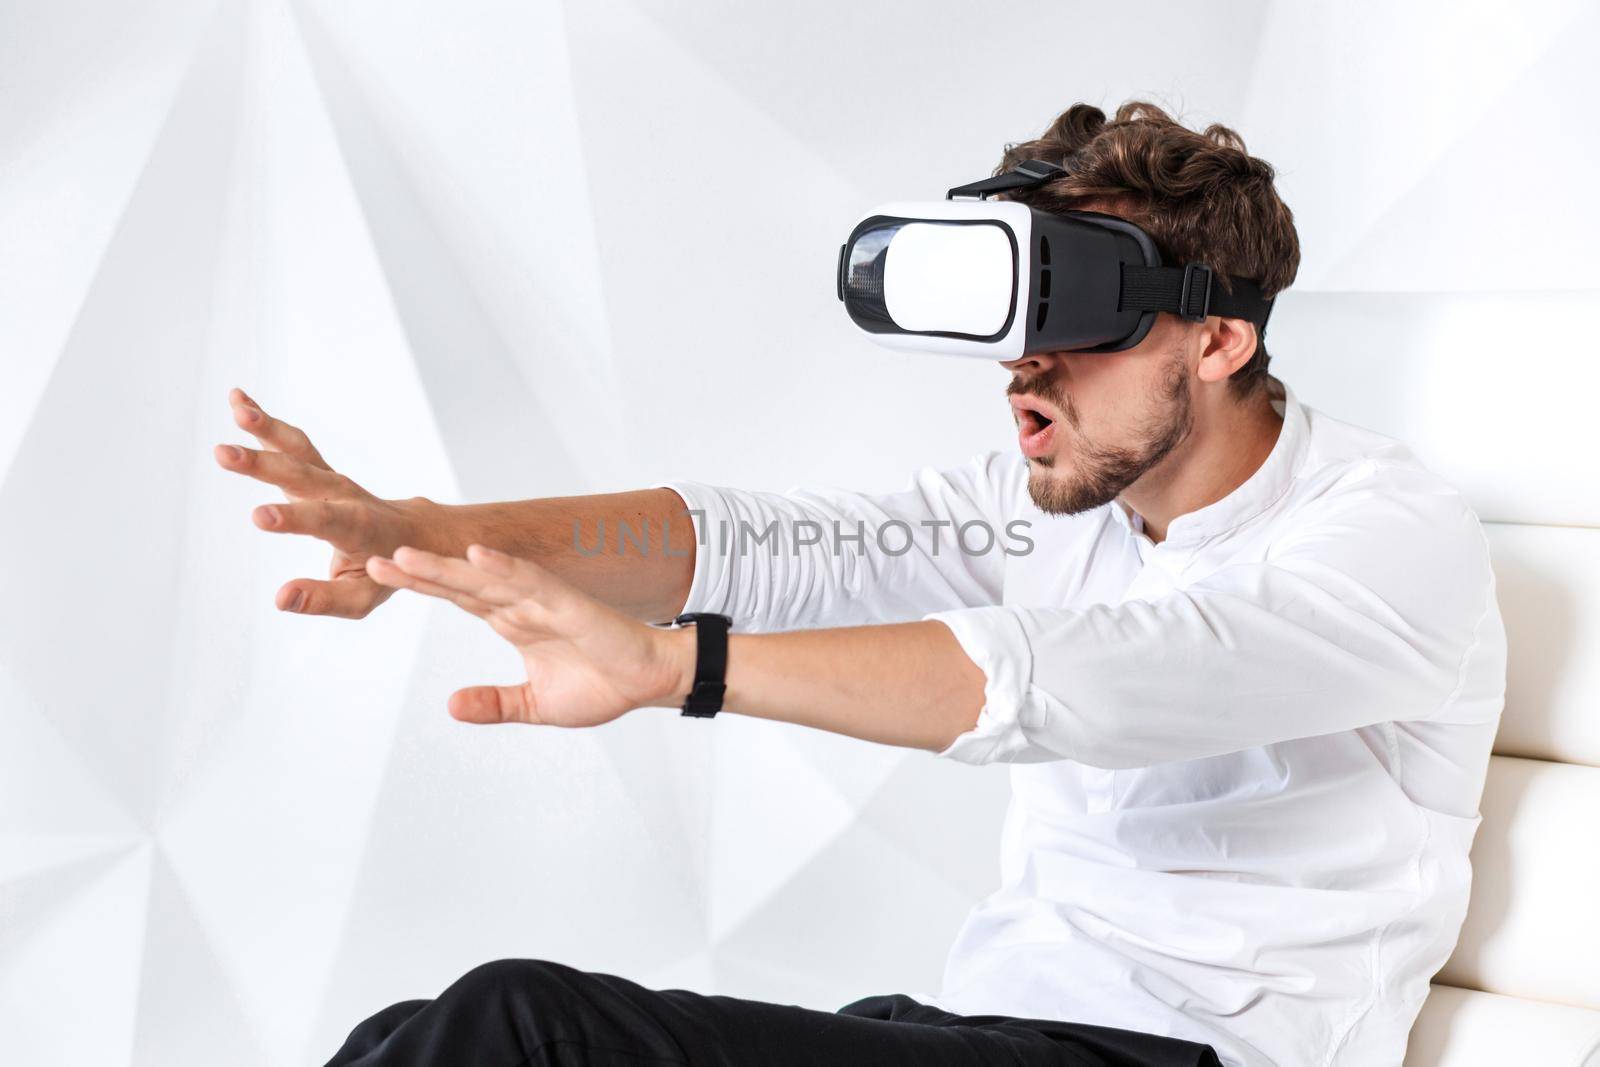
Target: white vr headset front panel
(957,279)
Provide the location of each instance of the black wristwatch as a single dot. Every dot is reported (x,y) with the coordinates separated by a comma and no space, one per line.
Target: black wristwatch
(710,664)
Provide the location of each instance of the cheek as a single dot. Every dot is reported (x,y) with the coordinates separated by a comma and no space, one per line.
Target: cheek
(1106,390)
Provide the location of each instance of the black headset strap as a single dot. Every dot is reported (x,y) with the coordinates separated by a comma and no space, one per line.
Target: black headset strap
(1025,175)
(1192,293)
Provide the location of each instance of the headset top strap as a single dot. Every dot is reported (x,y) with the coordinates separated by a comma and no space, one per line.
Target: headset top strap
(1025,175)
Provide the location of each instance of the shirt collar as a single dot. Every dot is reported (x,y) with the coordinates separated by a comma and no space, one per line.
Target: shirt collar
(1257,493)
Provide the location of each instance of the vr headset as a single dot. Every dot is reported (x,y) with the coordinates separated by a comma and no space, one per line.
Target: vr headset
(998,279)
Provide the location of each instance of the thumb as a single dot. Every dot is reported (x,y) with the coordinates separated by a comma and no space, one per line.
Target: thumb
(344,598)
(491,704)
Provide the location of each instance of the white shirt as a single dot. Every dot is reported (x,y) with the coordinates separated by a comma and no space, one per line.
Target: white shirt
(1246,760)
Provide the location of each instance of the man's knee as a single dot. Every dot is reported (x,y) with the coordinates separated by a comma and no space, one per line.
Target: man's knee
(538,1002)
(513,979)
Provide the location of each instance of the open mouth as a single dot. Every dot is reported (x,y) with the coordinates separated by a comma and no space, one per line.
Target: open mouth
(1036,424)
(1031,420)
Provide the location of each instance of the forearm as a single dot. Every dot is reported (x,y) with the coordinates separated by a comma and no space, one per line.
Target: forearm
(906,684)
(645,574)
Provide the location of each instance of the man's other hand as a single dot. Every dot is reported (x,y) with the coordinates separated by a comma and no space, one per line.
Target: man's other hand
(587,663)
(326,505)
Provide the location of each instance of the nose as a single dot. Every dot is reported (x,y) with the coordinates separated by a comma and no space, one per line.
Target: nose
(1034,363)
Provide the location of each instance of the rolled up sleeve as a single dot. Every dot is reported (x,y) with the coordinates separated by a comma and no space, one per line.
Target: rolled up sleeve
(751,564)
(710,589)
(1013,712)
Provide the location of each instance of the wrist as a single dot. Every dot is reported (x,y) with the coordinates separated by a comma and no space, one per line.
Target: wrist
(678,649)
(432,526)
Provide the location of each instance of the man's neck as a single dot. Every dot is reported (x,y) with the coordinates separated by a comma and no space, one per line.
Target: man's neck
(1228,444)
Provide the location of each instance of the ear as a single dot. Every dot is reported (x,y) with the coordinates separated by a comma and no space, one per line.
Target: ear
(1226,345)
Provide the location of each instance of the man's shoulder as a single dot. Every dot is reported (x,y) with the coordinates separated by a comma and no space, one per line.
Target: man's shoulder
(1334,444)
(1406,540)
(1361,487)
(1342,456)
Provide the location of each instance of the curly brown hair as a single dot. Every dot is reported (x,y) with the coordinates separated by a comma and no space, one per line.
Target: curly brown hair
(1199,195)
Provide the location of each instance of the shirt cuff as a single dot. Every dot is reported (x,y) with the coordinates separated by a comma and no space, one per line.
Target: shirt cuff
(994,639)
(711,588)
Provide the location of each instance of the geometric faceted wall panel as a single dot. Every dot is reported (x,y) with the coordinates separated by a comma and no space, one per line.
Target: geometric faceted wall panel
(499,250)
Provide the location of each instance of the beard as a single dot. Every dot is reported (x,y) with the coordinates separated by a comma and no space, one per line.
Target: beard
(1101,472)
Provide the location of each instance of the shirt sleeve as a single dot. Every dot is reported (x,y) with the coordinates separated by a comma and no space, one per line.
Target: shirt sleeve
(1369,609)
(807,557)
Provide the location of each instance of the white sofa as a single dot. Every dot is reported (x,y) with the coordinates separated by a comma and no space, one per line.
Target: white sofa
(1495,391)
(1524,984)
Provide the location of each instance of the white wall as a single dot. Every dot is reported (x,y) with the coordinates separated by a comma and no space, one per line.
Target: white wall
(487,250)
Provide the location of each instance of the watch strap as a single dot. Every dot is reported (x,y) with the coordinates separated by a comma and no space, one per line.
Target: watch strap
(711,662)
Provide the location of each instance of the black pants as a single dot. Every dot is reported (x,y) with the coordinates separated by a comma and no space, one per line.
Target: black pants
(528,1013)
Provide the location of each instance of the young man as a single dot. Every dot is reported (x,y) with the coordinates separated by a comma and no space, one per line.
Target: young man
(1248,670)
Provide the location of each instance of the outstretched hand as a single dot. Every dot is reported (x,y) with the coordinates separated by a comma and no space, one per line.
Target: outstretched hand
(323,503)
(587,663)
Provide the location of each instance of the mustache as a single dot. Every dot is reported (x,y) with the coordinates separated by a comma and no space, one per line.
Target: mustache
(1034,385)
